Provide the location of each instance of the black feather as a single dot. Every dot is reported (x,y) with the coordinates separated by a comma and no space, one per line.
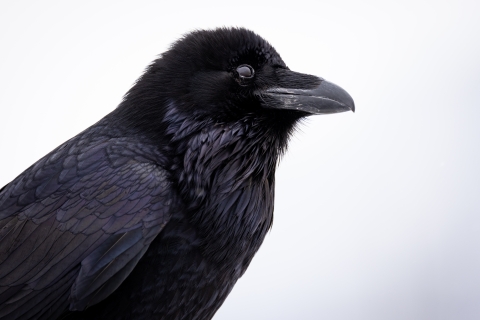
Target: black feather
(155,211)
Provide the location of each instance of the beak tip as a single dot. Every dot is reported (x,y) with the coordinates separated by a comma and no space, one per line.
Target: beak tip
(347,101)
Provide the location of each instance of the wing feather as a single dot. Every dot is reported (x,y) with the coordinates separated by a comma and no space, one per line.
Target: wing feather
(74,225)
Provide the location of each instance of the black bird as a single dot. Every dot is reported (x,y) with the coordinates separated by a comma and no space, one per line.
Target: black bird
(155,211)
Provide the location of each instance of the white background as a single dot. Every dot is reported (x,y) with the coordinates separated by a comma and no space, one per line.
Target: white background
(377,213)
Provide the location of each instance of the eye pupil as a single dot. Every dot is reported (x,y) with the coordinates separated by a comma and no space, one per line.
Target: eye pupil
(245,71)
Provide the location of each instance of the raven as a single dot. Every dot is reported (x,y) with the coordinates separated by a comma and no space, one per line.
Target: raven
(156,211)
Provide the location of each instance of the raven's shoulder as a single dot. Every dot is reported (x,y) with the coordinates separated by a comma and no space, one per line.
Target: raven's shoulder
(75,224)
(91,155)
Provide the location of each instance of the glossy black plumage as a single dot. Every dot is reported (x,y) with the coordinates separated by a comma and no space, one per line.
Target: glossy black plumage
(156,211)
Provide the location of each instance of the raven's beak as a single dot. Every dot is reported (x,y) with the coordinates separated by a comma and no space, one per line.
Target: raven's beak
(314,97)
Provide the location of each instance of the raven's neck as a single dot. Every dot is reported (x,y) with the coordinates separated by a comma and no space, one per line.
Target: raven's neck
(224,173)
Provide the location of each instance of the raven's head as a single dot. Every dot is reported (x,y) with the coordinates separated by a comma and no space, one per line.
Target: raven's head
(230,74)
(220,106)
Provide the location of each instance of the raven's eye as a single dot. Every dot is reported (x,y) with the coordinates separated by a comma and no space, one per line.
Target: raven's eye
(245,71)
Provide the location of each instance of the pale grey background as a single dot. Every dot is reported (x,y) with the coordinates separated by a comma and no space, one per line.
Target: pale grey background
(377,212)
